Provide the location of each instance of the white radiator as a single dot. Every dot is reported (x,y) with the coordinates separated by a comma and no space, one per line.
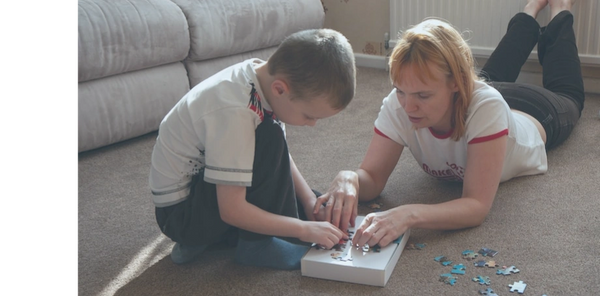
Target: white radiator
(484,22)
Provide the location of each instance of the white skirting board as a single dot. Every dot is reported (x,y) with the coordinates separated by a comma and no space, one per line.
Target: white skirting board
(591,83)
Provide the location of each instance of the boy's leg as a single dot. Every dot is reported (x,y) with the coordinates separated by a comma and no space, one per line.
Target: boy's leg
(273,191)
(194,223)
(272,185)
(504,64)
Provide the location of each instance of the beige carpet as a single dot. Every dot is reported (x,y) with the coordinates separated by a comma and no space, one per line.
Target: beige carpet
(548,226)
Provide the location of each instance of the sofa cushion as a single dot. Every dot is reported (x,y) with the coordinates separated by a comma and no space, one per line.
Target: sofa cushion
(122,36)
(198,71)
(222,28)
(128,105)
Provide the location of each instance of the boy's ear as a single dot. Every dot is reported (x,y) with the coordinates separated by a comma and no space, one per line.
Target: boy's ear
(279,87)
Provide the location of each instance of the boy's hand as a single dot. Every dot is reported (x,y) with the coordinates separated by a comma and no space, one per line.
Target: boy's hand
(341,201)
(322,233)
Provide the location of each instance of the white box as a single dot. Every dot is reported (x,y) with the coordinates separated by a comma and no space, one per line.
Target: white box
(368,268)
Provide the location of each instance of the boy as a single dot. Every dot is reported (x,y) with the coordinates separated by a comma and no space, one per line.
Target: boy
(220,164)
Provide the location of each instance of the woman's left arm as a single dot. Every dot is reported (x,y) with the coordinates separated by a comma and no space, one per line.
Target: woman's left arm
(483,171)
(482,177)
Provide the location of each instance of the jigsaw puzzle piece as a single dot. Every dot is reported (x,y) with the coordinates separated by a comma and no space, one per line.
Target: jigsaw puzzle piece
(507,270)
(448,279)
(415,246)
(479,263)
(488,252)
(488,292)
(398,240)
(483,280)
(458,269)
(443,260)
(491,264)
(420,246)
(518,287)
(469,255)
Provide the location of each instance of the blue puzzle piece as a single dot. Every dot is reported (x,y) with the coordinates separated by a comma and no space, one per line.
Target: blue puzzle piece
(479,263)
(469,255)
(507,270)
(458,269)
(420,246)
(448,279)
(440,258)
(488,252)
(397,241)
(483,280)
(488,292)
(443,260)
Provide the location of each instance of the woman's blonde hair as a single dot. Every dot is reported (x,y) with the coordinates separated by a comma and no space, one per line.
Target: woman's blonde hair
(434,42)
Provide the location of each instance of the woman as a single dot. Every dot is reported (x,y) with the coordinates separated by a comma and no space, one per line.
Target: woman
(461,127)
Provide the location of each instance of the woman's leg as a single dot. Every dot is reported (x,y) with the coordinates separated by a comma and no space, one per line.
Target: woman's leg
(558,54)
(504,64)
(557,106)
(556,114)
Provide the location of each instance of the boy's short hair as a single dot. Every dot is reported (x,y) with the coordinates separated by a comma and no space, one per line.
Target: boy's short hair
(315,63)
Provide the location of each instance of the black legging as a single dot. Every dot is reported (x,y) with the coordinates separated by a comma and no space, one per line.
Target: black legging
(196,220)
(557,105)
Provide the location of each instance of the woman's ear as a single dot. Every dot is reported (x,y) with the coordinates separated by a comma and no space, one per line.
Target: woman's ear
(452,85)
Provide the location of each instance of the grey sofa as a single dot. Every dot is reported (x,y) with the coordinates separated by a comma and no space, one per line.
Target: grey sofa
(137,58)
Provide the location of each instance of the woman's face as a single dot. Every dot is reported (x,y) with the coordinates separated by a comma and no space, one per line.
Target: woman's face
(427,104)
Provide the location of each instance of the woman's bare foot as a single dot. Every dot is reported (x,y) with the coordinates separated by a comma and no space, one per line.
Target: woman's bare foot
(557,6)
(534,6)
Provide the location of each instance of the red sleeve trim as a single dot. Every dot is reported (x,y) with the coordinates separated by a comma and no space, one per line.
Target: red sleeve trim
(380,133)
(490,137)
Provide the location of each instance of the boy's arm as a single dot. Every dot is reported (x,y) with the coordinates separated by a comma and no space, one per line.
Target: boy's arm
(236,211)
(303,192)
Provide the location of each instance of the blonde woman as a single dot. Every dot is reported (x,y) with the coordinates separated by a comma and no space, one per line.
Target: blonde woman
(459,126)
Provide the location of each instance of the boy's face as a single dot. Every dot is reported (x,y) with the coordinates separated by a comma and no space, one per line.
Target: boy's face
(303,111)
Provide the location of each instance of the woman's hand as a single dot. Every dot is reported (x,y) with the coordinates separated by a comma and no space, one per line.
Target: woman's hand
(341,201)
(383,227)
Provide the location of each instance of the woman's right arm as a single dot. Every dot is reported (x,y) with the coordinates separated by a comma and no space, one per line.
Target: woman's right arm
(348,187)
(379,162)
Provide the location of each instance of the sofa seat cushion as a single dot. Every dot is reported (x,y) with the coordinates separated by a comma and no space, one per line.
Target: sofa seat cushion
(122,36)
(128,105)
(223,28)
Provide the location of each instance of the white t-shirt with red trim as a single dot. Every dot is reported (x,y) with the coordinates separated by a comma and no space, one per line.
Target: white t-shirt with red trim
(212,128)
(488,118)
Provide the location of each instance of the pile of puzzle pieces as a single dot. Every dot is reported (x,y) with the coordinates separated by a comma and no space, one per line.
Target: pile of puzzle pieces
(481,259)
